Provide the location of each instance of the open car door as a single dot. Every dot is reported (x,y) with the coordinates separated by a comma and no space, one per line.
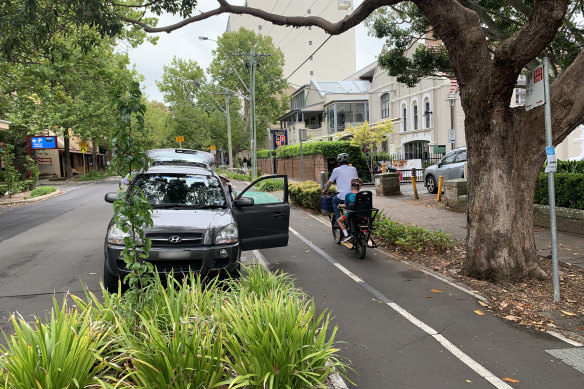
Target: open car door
(263,218)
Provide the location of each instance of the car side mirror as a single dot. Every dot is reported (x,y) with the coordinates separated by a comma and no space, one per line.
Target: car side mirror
(243,202)
(110,197)
(439,164)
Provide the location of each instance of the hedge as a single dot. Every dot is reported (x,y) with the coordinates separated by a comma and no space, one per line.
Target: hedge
(330,150)
(569,190)
(306,194)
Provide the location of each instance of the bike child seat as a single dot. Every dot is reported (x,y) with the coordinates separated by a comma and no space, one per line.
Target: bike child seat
(363,204)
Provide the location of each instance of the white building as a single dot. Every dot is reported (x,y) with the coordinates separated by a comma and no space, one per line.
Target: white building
(333,61)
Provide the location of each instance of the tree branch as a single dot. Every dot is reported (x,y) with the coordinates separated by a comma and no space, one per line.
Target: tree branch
(360,14)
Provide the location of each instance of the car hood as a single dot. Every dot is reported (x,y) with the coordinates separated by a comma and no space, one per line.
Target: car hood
(195,220)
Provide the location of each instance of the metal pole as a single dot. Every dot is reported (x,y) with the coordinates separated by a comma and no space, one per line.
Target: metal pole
(301,158)
(551,188)
(271,140)
(252,60)
(229,147)
(451,97)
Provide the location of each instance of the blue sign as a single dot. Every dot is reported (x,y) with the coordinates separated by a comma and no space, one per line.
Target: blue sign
(43,142)
(280,138)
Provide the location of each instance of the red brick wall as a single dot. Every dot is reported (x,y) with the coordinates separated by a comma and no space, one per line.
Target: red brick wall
(292,167)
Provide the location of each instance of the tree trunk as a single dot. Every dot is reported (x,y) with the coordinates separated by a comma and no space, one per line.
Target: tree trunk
(503,172)
(94,156)
(66,154)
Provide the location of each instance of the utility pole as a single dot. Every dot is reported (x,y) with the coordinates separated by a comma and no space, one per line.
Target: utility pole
(229,147)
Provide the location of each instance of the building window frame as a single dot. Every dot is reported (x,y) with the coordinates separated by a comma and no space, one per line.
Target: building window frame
(404,110)
(385,105)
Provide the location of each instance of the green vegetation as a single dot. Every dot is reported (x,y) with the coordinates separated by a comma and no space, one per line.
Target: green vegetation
(410,238)
(270,185)
(41,191)
(234,176)
(307,194)
(94,175)
(260,331)
(569,190)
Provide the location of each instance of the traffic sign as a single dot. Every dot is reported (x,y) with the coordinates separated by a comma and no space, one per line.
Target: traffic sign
(179,138)
(83,147)
(451,135)
(213,147)
(534,89)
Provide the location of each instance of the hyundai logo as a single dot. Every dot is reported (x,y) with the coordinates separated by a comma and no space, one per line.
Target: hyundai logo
(175,239)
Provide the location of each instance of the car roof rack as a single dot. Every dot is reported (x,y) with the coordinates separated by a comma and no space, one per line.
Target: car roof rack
(181,156)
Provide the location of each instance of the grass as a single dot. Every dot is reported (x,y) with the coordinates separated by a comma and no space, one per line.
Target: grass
(41,191)
(94,175)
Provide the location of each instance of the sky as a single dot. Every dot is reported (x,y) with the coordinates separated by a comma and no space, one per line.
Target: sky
(183,43)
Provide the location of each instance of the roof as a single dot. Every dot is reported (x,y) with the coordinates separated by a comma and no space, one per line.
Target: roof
(341,87)
(366,72)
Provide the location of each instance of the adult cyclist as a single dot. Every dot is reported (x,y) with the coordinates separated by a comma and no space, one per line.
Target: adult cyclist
(341,176)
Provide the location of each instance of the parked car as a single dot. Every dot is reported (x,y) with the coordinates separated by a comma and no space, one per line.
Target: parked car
(196,226)
(451,166)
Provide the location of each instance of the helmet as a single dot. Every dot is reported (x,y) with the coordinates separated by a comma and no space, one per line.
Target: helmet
(343,158)
(356,182)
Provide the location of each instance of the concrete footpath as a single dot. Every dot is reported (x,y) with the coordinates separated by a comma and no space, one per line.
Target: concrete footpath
(433,215)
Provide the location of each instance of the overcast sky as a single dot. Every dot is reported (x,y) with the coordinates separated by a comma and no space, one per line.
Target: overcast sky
(184,43)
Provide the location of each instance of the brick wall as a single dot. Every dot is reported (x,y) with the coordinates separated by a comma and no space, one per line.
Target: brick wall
(292,167)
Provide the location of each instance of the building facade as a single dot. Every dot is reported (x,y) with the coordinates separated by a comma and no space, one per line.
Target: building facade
(333,61)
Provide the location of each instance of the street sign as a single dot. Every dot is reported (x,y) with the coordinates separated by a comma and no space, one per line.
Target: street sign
(213,147)
(83,147)
(552,163)
(451,135)
(534,89)
(439,149)
(280,138)
(43,142)
(179,138)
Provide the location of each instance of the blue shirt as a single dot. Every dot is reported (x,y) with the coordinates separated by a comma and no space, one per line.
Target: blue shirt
(350,200)
(342,176)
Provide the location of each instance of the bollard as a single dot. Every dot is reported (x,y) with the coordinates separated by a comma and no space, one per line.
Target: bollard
(440,181)
(414,184)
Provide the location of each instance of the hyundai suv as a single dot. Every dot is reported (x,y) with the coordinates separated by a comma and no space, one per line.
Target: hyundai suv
(197,227)
(451,167)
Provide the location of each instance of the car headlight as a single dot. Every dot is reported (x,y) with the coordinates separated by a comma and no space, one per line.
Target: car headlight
(116,236)
(227,234)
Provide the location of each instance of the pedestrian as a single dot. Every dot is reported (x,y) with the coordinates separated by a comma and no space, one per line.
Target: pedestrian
(226,160)
(245,163)
(341,176)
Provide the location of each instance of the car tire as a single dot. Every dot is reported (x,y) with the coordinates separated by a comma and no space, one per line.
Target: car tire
(431,184)
(110,280)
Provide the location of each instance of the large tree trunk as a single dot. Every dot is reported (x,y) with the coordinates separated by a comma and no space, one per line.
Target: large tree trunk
(66,154)
(503,172)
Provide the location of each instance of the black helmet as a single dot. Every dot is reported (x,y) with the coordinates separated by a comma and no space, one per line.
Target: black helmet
(356,182)
(343,158)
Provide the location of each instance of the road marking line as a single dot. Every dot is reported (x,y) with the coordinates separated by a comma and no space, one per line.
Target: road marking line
(458,353)
(567,340)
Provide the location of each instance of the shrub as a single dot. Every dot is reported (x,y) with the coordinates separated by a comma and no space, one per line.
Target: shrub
(93,175)
(270,185)
(41,191)
(3,190)
(411,238)
(11,175)
(306,194)
(569,189)
(26,185)
(33,170)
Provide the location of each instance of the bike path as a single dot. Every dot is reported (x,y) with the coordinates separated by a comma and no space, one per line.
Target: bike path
(395,327)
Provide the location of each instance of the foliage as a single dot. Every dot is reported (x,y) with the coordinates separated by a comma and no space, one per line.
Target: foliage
(270,185)
(11,175)
(411,238)
(33,169)
(569,188)
(66,352)
(368,139)
(234,176)
(330,150)
(94,175)
(132,211)
(41,191)
(307,194)
(264,154)
(570,166)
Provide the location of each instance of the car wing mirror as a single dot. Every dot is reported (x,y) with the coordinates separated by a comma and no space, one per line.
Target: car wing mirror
(243,202)
(110,197)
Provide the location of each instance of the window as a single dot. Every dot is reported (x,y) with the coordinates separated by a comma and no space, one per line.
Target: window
(312,73)
(308,11)
(385,105)
(404,118)
(309,43)
(427,113)
(415,112)
(340,115)
(449,158)
(461,157)
(193,191)
(309,28)
(260,27)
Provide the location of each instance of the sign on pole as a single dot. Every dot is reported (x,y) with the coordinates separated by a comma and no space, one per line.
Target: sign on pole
(451,135)
(213,147)
(535,89)
(43,142)
(179,138)
(83,147)
(280,138)
(552,163)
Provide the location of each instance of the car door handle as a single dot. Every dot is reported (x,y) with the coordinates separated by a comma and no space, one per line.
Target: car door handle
(279,214)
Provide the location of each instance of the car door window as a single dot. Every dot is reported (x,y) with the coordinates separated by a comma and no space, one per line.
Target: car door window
(461,157)
(266,191)
(448,159)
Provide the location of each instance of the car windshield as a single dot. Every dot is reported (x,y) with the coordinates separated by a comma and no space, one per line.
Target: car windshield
(181,191)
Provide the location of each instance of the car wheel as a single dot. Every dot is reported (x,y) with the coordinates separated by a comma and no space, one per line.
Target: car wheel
(110,280)
(431,184)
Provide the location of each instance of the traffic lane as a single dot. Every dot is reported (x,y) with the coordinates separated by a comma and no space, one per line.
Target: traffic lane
(505,350)
(18,219)
(383,347)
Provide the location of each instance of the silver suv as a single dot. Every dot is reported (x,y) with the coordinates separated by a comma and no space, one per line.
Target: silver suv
(451,166)
(197,226)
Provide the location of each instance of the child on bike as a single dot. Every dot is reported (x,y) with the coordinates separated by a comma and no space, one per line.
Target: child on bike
(348,207)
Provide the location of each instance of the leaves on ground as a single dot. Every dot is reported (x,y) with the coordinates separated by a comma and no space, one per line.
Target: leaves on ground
(479,312)
(436,291)
(511,380)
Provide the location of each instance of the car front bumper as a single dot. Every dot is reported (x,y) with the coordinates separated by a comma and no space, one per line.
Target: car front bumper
(201,259)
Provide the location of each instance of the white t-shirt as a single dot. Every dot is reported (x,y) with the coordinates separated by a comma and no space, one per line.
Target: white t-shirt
(342,176)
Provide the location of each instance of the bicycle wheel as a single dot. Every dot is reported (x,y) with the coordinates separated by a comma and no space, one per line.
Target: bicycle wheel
(360,247)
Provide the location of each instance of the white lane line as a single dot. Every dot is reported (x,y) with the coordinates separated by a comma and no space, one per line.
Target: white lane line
(567,340)
(458,353)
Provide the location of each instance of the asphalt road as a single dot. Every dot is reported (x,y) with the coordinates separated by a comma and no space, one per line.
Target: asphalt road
(395,331)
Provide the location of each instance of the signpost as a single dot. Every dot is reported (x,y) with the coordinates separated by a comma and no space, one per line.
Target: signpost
(451,135)
(535,89)
(83,147)
(280,138)
(43,142)
(179,139)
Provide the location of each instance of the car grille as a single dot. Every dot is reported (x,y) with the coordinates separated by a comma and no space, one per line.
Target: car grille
(181,266)
(186,239)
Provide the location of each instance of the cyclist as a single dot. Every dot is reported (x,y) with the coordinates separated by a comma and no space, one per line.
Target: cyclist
(342,176)
(348,206)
